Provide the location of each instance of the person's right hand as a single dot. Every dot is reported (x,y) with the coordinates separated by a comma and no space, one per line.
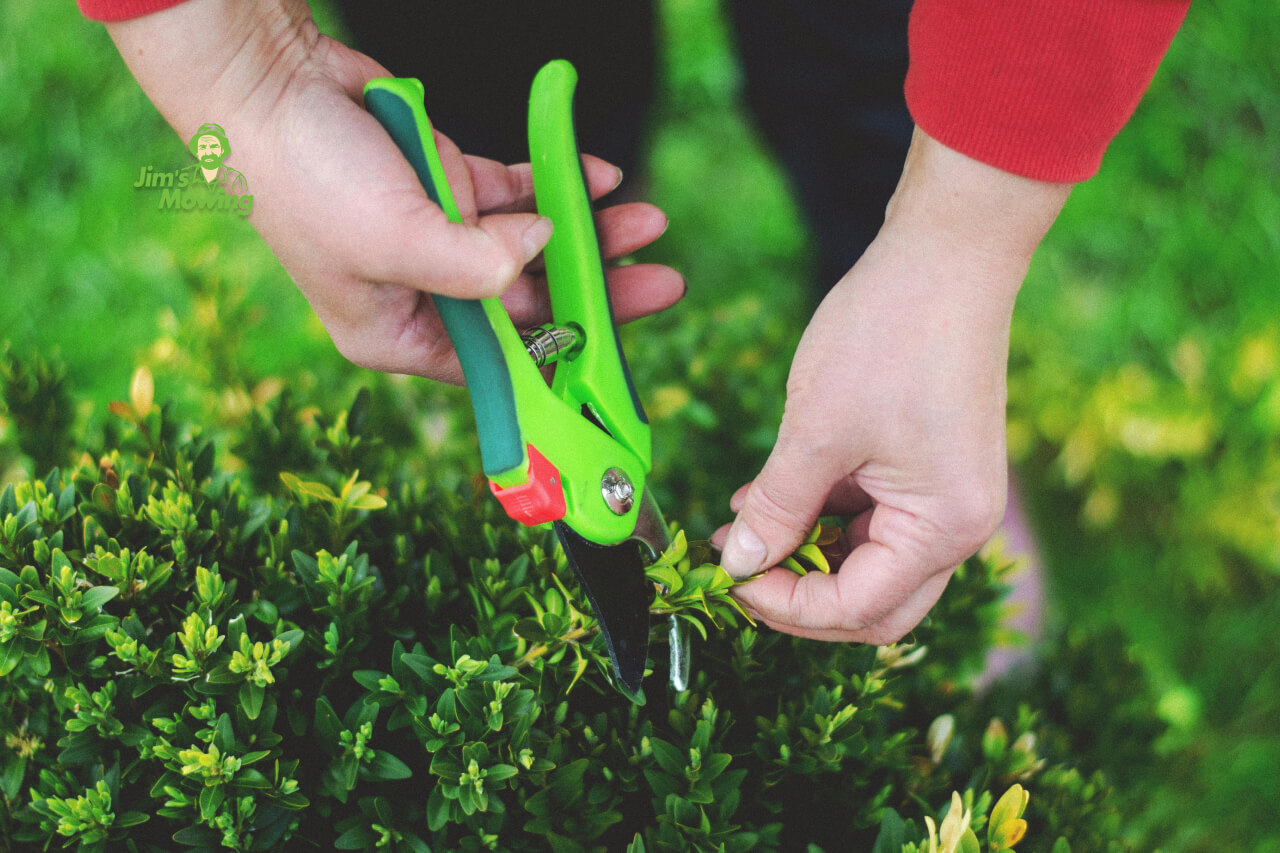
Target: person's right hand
(339,205)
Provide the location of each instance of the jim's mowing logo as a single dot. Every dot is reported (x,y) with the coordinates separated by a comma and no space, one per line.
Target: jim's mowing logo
(209,184)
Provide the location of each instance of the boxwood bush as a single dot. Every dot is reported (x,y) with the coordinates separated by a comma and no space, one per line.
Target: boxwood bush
(333,650)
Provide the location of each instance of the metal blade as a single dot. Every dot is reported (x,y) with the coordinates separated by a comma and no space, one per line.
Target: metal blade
(651,529)
(613,578)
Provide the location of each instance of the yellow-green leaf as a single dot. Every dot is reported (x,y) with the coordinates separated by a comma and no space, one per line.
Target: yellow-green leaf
(142,392)
(1010,806)
(369,502)
(1008,833)
(814,555)
(792,564)
(305,488)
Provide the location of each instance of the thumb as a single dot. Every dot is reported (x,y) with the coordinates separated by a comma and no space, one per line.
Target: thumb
(779,509)
(469,261)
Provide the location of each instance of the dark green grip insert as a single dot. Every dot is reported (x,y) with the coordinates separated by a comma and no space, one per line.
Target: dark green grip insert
(397,104)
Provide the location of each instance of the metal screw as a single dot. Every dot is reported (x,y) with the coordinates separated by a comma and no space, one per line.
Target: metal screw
(618,492)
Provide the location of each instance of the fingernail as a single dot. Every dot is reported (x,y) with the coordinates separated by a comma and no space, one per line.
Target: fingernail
(536,237)
(617,183)
(744,552)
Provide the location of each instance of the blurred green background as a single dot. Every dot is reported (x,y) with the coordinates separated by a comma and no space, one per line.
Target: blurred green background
(1144,372)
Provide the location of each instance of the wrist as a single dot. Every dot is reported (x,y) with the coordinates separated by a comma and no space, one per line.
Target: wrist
(217,60)
(973,215)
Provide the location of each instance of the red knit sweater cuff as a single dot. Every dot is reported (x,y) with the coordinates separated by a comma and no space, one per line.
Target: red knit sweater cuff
(1034,87)
(122,10)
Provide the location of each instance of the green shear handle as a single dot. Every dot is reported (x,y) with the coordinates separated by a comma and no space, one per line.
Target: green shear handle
(546,449)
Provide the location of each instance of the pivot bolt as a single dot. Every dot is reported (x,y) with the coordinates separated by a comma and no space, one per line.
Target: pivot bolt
(618,492)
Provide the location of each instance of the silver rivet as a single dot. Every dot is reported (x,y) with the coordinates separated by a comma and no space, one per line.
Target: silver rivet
(618,492)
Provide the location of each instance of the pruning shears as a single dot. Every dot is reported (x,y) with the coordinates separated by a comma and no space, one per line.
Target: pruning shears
(577,452)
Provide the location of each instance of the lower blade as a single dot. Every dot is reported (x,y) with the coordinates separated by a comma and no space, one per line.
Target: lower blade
(614,580)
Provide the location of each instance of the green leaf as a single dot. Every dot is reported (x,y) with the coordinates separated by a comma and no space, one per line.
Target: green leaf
(328,725)
(11,779)
(368,678)
(715,764)
(892,829)
(676,551)
(294,638)
(210,799)
(356,838)
(297,801)
(792,564)
(95,629)
(386,766)
(813,555)
(222,674)
(224,735)
(437,810)
(266,612)
(235,630)
(669,758)
(347,771)
(416,844)
(561,844)
(253,779)
(198,836)
(500,772)
(695,622)
(665,576)
(10,655)
(251,696)
(531,630)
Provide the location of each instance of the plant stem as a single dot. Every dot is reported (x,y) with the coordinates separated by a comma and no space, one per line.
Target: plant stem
(542,648)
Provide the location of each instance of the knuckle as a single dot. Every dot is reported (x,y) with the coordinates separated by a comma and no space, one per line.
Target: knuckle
(505,270)
(774,511)
(978,515)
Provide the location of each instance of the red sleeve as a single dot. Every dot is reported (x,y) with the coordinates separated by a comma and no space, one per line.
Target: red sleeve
(122,10)
(1034,87)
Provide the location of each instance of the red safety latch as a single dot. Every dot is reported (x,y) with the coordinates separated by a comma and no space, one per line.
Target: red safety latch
(538,501)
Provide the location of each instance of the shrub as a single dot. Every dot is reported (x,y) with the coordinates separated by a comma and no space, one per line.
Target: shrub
(356,657)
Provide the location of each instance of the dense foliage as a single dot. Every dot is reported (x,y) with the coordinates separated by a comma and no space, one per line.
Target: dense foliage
(355,657)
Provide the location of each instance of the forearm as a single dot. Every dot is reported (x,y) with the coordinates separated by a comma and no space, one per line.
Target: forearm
(217,60)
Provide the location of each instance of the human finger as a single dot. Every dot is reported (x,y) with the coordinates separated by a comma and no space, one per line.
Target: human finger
(500,188)
(875,592)
(635,291)
(781,505)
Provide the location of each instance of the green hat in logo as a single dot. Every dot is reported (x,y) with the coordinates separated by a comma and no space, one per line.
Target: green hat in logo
(210,129)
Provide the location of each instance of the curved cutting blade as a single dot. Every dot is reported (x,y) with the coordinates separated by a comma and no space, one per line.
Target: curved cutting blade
(613,578)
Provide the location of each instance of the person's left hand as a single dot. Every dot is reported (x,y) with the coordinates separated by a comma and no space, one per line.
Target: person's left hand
(895,408)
